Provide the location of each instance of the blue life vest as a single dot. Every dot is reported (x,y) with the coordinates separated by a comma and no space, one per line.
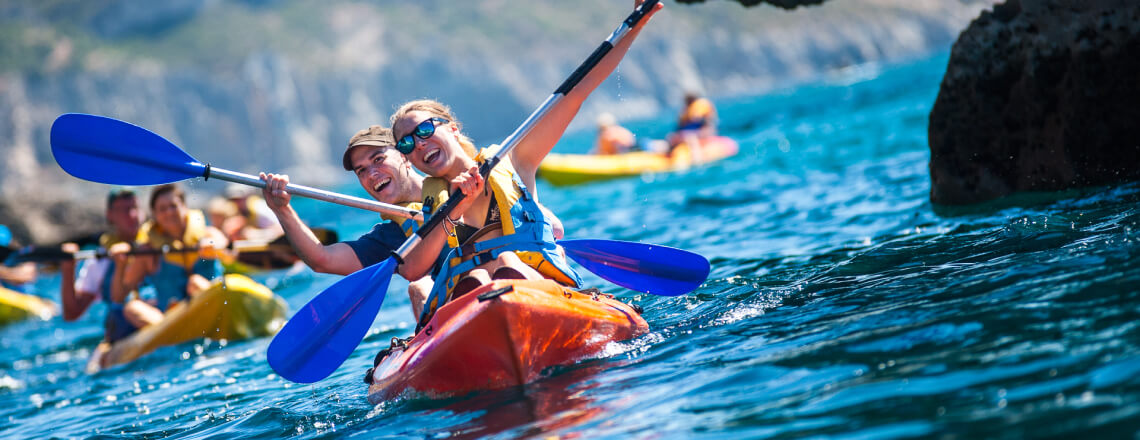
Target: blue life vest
(526,231)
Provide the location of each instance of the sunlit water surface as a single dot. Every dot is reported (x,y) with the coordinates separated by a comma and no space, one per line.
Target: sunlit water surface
(840,304)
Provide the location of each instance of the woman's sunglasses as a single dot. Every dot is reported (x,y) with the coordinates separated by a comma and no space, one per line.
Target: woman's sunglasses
(424,131)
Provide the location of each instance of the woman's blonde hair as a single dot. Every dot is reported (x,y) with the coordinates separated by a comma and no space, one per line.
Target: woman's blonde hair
(438,109)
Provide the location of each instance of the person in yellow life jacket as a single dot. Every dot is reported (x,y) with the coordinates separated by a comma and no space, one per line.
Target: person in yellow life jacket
(386,176)
(697,121)
(93,281)
(180,273)
(613,138)
(249,215)
(218,210)
(499,230)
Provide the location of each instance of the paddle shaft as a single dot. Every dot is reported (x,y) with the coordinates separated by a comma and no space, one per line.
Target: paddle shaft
(314,193)
(54,254)
(523,130)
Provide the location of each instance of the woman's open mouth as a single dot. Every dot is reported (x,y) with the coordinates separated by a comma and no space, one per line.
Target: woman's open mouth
(430,156)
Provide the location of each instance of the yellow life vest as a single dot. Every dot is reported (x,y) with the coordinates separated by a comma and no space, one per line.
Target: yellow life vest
(408,225)
(152,234)
(698,110)
(507,194)
(111,238)
(525,231)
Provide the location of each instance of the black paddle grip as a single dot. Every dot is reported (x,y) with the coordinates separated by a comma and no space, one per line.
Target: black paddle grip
(601,51)
(635,17)
(583,69)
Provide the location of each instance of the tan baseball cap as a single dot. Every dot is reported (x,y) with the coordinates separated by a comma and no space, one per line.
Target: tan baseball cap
(375,136)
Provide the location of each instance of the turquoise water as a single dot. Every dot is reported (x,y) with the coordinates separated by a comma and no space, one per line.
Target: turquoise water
(840,304)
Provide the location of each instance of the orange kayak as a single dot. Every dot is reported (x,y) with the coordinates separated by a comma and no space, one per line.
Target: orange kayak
(501,335)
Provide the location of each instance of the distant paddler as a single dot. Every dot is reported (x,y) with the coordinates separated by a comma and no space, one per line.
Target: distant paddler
(78,292)
(387,176)
(613,138)
(696,123)
(175,276)
(251,218)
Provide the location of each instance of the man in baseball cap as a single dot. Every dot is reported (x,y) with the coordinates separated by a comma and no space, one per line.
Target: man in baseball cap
(388,177)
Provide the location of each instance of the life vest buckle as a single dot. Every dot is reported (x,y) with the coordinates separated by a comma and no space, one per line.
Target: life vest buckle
(483,258)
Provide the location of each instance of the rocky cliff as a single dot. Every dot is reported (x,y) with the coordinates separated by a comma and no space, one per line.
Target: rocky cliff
(281,85)
(1039,95)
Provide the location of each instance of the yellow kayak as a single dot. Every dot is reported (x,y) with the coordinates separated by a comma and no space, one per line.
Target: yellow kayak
(573,169)
(16,306)
(239,308)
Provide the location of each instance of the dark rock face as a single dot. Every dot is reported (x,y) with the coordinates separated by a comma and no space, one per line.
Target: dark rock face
(1039,95)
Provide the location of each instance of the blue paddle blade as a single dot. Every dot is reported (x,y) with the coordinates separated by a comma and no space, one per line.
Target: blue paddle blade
(105,150)
(323,334)
(653,269)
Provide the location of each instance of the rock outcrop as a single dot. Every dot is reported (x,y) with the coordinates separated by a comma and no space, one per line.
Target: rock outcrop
(182,71)
(1039,95)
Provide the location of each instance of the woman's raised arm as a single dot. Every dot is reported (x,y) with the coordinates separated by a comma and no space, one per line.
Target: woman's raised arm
(547,131)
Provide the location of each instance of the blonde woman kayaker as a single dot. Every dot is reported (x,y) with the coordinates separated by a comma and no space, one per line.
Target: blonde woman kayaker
(387,176)
(93,282)
(181,272)
(500,232)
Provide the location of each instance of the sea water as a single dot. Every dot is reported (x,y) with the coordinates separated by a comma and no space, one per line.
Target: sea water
(841,304)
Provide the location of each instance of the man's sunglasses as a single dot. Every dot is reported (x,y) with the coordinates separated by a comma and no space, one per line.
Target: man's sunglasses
(424,131)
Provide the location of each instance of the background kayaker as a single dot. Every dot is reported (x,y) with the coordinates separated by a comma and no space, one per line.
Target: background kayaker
(251,217)
(19,277)
(175,275)
(218,209)
(613,138)
(507,210)
(387,176)
(93,282)
(697,121)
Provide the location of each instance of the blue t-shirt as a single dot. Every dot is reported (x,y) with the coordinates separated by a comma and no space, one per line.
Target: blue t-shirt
(377,245)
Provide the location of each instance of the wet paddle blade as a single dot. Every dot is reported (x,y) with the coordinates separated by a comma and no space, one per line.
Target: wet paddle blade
(324,333)
(106,150)
(653,269)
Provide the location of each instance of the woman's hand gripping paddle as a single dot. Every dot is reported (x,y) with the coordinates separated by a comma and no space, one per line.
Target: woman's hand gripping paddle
(333,341)
(106,150)
(110,151)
